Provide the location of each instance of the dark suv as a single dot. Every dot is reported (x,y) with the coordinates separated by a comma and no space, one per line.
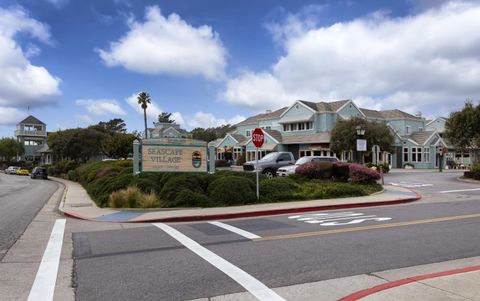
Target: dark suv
(39,172)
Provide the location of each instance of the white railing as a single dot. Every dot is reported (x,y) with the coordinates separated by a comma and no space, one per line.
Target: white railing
(30,133)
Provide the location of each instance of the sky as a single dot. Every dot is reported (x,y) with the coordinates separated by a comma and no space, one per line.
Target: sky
(73,63)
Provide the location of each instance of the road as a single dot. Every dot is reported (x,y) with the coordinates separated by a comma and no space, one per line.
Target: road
(20,200)
(151,262)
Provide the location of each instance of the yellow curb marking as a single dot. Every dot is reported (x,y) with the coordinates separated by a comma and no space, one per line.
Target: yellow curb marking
(363,228)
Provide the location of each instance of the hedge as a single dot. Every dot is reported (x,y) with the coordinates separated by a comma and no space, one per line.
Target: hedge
(224,188)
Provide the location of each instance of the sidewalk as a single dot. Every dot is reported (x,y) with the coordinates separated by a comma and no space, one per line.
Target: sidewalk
(454,284)
(78,204)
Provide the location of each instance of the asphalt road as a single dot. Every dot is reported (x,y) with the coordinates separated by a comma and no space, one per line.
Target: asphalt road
(20,200)
(146,263)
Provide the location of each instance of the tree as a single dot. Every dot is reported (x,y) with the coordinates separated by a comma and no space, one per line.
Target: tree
(463,127)
(211,134)
(165,118)
(144,99)
(10,147)
(116,125)
(118,145)
(344,135)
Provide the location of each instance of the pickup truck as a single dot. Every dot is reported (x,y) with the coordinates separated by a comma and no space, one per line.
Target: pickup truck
(269,164)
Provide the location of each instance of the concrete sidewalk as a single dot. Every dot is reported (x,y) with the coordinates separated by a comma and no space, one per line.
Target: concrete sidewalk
(77,203)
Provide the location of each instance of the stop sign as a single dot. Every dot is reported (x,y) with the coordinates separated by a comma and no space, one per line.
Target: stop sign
(257,137)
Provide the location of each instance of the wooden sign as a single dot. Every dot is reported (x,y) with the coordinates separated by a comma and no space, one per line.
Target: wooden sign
(184,156)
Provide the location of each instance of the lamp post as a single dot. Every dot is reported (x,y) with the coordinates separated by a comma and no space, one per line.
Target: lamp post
(361,143)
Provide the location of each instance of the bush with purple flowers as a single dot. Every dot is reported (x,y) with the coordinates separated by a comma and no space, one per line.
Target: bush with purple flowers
(316,170)
(361,174)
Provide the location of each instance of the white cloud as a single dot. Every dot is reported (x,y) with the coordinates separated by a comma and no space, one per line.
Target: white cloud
(11,116)
(429,61)
(208,120)
(84,119)
(101,107)
(21,83)
(168,45)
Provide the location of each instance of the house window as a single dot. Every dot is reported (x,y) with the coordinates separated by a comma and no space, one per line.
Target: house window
(299,126)
(407,129)
(405,154)
(248,133)
(416,154)
(426,154)
(420,129)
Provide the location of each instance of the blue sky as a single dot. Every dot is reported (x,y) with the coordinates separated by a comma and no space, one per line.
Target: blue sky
(74,63)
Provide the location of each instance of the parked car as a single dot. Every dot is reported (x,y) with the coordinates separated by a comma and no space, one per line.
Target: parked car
(22,171)
(290,169)
(11,170)
(269,164)
(39,172)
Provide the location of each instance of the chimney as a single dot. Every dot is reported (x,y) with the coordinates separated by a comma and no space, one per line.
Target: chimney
(418,114)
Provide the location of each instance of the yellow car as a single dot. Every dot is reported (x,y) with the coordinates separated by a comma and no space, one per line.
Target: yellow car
(23,171)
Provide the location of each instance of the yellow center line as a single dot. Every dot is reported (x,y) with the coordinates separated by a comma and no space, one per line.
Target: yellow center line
(371,227)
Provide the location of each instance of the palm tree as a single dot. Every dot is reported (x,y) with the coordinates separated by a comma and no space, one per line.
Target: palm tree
(143,98)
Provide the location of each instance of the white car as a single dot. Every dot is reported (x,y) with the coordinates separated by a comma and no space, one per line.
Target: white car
(12,170)
(290,169)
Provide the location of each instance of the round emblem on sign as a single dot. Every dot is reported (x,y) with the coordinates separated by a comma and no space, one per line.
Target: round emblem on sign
(196,159)
(258,137)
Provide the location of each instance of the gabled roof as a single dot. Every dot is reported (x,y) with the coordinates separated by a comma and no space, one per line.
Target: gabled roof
(323,106)
(421,137)
(431,121)
(256,118)
(238,137)
(397,114)
(371,113)
(274,134)
(31,120)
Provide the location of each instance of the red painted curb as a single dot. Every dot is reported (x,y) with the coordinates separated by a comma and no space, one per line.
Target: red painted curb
(258,213)
(385,286)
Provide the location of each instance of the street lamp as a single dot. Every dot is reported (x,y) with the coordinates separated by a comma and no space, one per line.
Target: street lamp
(361,143)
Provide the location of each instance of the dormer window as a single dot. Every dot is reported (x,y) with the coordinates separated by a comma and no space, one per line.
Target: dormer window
(297,126)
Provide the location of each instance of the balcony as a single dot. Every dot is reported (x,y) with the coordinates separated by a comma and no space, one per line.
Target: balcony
(24,133)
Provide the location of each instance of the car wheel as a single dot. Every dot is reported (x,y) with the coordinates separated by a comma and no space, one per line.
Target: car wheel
(269,173)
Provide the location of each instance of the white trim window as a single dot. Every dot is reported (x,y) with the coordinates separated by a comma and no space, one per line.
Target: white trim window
(248,133)
(416,154)
(297,126)
(407,129)
(405,154)
(426,154)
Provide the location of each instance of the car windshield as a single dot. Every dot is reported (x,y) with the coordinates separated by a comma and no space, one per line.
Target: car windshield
(268,157)
(303,161)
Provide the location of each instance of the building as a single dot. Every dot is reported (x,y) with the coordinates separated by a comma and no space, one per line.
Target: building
(304,129)
(166,130)
(32,133)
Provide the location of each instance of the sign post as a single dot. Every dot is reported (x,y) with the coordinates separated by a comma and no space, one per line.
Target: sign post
(258,138)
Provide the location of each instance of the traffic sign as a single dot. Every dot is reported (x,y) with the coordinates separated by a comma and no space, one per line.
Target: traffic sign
(258,138)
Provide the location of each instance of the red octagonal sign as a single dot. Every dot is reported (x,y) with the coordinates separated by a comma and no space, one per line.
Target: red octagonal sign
(258,137)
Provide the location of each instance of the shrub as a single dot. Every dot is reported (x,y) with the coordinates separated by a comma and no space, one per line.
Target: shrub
(385,166)
(330,190)
(188,198)
(316,170)
(124,163)
(72,175)
(232,190)
(277,189)
(341,171)
(363,175)
(241,159)
(475,167)
(222,163)
(176,184)
(132,197)
(472,174)
(149,200)
(101,188)
(408,164)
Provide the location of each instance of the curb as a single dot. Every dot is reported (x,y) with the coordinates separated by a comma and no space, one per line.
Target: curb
(369,291)
(223,216)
